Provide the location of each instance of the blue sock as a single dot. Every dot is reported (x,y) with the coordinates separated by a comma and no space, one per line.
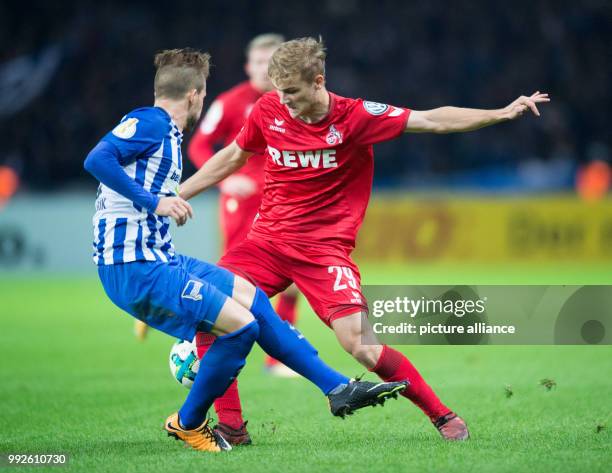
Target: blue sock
(283,342)
(219,367)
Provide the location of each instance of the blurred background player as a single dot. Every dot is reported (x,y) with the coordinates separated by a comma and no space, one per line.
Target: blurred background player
(318,182)
(241,192)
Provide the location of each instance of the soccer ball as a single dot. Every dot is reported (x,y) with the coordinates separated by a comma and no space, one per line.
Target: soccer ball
(184,362)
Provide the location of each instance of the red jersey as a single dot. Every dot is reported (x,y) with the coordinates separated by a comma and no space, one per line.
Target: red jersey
(222,123)
(318,176)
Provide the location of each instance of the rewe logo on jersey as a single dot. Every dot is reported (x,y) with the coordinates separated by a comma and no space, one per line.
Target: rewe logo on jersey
(320,158)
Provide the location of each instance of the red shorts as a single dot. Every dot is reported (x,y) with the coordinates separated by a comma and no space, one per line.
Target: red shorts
(327,276)
(237,215)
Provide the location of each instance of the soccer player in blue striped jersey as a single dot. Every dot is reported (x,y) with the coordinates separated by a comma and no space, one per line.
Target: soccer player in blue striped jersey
(139,166)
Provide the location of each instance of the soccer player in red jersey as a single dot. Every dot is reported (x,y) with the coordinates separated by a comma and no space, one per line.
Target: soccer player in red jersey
(319,168)
(240,192)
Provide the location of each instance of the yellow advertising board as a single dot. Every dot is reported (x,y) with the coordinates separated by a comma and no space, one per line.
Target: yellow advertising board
(485,229)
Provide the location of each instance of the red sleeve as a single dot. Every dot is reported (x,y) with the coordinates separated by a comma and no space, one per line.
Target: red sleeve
(375,122)
(212,130)
(251,137)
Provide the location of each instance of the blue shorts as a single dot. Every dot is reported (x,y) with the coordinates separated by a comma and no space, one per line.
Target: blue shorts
(180,298)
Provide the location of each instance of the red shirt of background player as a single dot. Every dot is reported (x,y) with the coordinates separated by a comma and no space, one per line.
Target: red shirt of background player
(318,176)
(221,124)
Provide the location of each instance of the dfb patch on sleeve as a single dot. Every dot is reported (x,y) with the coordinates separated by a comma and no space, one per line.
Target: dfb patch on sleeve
(375,108)
(126,129)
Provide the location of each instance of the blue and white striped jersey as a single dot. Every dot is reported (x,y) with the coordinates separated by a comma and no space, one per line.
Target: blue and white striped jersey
(149,143)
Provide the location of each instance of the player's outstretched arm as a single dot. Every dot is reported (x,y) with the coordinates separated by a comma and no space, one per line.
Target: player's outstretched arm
(454,119)
(217,168)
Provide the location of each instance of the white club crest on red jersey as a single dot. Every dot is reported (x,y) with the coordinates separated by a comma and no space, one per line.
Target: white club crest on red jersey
(334,137)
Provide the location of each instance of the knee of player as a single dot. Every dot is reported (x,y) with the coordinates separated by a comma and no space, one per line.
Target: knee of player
(248,328)
(246,335)
(245,317)
(232,317)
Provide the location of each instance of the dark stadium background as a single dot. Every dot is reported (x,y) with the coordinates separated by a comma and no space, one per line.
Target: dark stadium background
(98,58)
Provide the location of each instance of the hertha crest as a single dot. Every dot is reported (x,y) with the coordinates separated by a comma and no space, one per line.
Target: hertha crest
(334,136)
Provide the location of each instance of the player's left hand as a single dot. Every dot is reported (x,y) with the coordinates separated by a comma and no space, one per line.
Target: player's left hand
(523,104)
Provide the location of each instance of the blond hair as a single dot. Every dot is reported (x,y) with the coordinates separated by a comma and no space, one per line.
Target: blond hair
(264,41)
(179,71)
(303,57)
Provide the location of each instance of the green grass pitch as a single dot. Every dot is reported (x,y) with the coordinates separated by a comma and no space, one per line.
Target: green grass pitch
(73,379)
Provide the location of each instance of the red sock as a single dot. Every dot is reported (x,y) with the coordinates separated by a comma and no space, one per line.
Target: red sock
(286,308)
(394,366)
(228,406)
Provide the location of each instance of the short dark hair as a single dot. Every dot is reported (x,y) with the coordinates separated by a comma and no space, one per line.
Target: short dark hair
(179,71)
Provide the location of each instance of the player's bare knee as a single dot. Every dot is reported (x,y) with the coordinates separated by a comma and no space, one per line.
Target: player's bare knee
(244,292)
(233,316)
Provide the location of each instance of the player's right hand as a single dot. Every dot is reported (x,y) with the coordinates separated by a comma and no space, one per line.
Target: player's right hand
(176,208)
